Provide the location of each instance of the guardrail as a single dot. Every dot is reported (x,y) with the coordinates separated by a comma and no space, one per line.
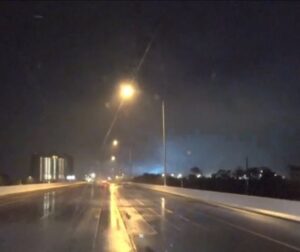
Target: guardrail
(14,189)
(286,209)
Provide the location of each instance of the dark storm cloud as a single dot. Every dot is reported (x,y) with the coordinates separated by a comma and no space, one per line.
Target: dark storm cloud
(228,72)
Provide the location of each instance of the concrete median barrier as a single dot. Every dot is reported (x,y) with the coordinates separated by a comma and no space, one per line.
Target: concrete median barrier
(286,209)
(15,189)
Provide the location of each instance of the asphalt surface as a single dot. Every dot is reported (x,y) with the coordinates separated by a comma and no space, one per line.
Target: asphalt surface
(56,220)
(173,223)
(90,218)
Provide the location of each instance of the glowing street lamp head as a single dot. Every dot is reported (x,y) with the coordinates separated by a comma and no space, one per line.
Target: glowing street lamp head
(127,91)
(113,158)
(115,142)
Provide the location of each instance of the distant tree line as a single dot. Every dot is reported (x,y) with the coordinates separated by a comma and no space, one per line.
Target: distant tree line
(258,181)
(6,180)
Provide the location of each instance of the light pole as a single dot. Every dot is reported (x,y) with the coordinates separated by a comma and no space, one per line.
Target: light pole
(130,162)
(164,141)
(126,92)
(113,169)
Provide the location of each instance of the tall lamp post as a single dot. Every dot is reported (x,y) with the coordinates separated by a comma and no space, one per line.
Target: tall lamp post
(164,142)
(126,92)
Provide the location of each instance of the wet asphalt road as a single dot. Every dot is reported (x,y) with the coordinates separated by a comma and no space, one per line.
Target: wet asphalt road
(54,220)
(78,219)
(175,223)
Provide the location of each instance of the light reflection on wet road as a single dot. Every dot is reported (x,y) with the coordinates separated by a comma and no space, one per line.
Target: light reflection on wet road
(124,218)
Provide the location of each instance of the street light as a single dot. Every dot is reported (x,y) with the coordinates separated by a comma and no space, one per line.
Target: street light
(113,158)
(164,140)
(127,91)
(115,143)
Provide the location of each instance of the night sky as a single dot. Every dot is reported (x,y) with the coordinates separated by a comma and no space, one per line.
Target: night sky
(228,71)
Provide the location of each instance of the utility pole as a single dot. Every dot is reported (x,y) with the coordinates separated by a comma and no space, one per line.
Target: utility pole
(164,142)
(130,162)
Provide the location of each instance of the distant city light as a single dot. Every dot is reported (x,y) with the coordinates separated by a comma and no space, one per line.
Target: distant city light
(199,176)
(108,178)
(179,175)
(93,175)
(245,177)
(87,178)
(70,177)
(113,158)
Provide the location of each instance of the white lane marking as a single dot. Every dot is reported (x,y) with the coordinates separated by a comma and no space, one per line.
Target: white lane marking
(245,230)
(187,220)
(169,222)
(140,202)
(168,210)
(96,230)
(258,234)
(241,228)
(136,223)
(153,212)
(183,218)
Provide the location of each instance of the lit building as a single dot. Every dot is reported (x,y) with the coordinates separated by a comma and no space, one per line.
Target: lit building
(51,167)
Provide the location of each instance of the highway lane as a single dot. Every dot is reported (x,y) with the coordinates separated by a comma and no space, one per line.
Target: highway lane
(126,218)
(163,222)
(69,219)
